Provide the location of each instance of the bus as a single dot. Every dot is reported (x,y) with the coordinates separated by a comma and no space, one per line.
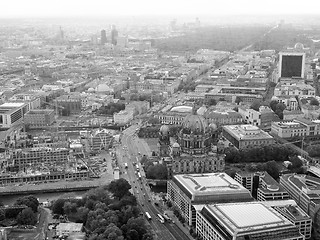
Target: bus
(139,175)
(125,165)
(148,216)
(161,219)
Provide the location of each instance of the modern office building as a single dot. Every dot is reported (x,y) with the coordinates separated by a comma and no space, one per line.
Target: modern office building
(305,190)
(243,136)
(291,64)
(100,139)
(114,35)
(103,37)
(39,117)
(12,113)
(186,191)
(291,211)
(262,186)
(248,220)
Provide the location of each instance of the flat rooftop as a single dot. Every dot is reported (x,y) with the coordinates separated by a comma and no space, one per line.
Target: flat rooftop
(246,132)
(211,187)
(247,217)
(12,105)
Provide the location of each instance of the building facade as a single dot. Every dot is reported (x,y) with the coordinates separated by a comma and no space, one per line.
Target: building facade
(243,136)
(186,191)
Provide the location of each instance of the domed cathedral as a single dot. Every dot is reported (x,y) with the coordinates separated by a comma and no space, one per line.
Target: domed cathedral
(164,141)
(196,149)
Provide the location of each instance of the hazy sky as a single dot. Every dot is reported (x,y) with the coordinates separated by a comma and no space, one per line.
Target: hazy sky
(54,8)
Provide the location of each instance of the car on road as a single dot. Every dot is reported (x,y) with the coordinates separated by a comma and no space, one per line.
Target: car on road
(149,200)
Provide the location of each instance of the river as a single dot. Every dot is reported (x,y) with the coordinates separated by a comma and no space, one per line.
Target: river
(43,197)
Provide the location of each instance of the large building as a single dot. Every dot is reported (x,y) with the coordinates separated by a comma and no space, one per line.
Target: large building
(291,64)
(186,191)
(20,158)
(194,151)
(12,113)
(249,220)
(296,128)
(68,105)
(243,136)
(305,190)
(39,117)
(262,186)
(290,210)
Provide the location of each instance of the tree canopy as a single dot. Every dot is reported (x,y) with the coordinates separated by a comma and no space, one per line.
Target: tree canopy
(119,188)
(29,201)
(27,217)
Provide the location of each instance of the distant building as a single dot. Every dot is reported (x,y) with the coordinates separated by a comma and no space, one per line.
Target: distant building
(123,117)
(103,37)
(114,35)
(243,136)
(68,104)
(12,113)
(261,118)
(223,117)
(291,64)
(249,220)
(39,117)
(186,191)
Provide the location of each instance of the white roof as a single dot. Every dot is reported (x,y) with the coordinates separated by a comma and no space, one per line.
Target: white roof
(182,109)
(249,215)
(12,104)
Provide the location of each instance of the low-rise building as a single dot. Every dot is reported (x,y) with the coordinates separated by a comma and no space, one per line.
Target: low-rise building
(223,117)
(68,228)
(68,105)
(39,117)
(296,128)
(123,117)
(243,136)
(261,118)
(248,220)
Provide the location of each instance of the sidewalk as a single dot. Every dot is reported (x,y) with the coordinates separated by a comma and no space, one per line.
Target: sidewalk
(184,228)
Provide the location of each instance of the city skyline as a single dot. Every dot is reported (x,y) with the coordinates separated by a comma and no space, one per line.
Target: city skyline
(98,8)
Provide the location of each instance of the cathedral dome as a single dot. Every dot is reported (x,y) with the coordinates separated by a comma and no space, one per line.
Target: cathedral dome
(195,123)
(213,126)
(298,46)
(164,130)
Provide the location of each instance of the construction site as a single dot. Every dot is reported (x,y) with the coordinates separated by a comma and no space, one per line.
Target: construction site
(44,158)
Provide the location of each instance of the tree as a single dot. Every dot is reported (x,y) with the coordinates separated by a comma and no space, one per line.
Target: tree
(211,102)
(29,201)
(119,188)
(314,102)
(57,206)
(27,217)
(158,171)
(255,105)
(69,208)
(147,236)
(271,167)
(238,100)
(273,105)
(2,214)
(154,121)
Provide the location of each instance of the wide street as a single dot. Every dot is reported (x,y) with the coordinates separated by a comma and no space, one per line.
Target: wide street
(130,152)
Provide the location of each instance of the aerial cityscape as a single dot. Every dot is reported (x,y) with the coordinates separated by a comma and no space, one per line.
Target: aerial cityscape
(159,120)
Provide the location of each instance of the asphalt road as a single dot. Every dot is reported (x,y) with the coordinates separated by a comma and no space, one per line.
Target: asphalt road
(128,152)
